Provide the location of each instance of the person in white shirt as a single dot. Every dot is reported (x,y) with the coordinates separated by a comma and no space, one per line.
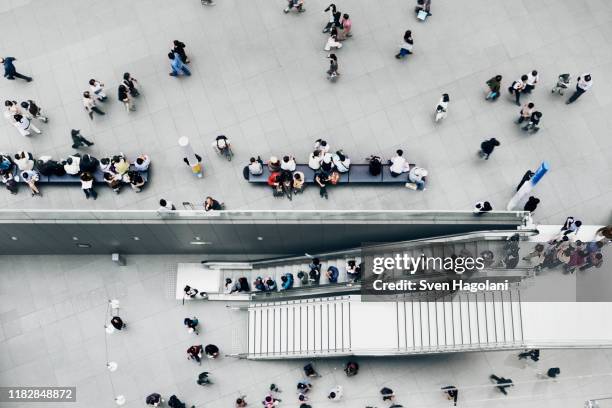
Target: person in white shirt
(398,164)
(532,80)
(24,125)
(97,89)
(526,112)
(322,145)
(442,107)
(585,82)
(255,166)
(24,161)
(335,394)
(87,181)
(166,206)
(72,165)
(517,89)
(31,177)
(341,162)
(288,163)
(89,103)
(314,160)
(142,163)
(332,41)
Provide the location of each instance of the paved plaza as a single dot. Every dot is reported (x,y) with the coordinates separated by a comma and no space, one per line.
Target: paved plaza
(53,309)
(259,78)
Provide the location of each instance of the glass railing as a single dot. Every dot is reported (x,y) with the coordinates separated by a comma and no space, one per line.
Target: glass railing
(456,217)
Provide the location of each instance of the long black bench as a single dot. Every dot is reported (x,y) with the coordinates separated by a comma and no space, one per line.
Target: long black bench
(75,179)
(357,174)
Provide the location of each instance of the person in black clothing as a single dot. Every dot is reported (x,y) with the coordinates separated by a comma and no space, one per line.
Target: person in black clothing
(526,177)
(315,271)
(533,354)
(78,140)
(203,379)
(534,121)
(351,368)
(332,17)
(452,392)
(502,383)
(10,72)
(531,204)
(154,399)
(179,48)
(174,402)
(387,394)
(212,204)
(34,110)
(130,82)
(487,147)
(309,371)
(211,351)
(407,46)
(332,72)
(118,323)
(550,373)
(322,179)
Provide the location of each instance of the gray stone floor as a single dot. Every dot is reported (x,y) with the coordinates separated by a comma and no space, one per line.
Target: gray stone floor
(259,78)
(52,312)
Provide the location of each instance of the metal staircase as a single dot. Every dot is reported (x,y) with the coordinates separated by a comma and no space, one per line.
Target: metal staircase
(339,326)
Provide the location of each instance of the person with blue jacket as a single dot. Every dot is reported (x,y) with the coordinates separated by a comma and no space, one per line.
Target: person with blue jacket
(10,72)
(332,274)
(177,65)
(287,280)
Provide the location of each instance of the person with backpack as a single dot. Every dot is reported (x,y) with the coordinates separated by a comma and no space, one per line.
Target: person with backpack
(517,89)
(287,281)
(332,274)
(191,324)
(494,85)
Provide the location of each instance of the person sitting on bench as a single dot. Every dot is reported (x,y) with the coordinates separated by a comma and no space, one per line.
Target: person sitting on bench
(398,164)
(72,165)
(341,162)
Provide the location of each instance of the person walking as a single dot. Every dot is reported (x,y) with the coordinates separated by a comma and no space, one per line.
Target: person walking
(533,354)
(502,383)
(10,72)
(346,25)
(32,111)
(211,351)
(335,394)
(332,72)
(531,204)
(78,140)
(177,65)
(407,47)
(351,368)
(487,147)
(295,4)
(331,9)
(332,41)
(195,353)
(585,82)
(123,96)
(322,179)
(517,89)
(191,323)
(131,83)
(179,48)
(534,121)
(96,88)
(442,107)
(532,80)
(118,323)
(203,378)
(24,125)
(494,85)
(525,112)
(90,105)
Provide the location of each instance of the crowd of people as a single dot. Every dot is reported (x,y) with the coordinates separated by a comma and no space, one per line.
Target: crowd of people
(310,277)
(286,180)
(116,171)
